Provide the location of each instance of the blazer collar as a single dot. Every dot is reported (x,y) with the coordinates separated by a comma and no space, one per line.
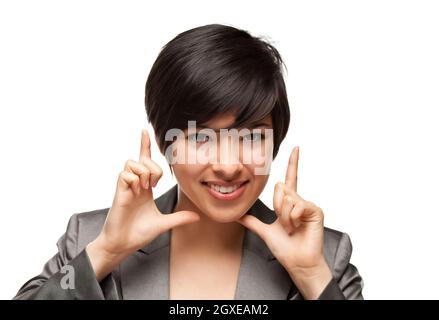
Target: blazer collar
(166,203)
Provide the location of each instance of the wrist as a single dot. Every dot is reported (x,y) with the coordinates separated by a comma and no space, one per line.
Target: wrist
(311,281)
(102,260)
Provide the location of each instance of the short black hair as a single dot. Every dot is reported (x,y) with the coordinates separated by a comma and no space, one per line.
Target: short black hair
(213,69)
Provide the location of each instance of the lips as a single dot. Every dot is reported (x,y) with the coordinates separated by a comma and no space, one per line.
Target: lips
(225,191)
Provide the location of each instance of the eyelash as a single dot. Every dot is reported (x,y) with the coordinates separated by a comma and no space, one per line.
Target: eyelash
(261,135)
(196,135)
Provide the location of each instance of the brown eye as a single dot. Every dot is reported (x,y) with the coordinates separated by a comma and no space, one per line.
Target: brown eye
(253,137)
(198,137)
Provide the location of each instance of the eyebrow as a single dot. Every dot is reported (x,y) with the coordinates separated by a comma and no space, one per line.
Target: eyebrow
(252,126)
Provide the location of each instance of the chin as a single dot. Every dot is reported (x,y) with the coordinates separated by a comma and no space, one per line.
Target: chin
(223,216)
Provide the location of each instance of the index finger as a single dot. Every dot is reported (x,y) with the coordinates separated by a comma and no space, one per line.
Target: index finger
(293,164)
(145,146)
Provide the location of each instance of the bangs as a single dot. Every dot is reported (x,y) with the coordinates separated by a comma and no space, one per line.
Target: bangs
(248,98)
(240,82)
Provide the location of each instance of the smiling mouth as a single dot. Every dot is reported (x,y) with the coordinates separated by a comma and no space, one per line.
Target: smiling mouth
(225,192)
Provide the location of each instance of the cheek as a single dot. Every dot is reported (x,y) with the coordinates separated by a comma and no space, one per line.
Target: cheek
(187,175)
(258,155)
(259,181)
(257,163)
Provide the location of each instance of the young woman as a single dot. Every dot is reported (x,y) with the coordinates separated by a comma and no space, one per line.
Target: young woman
(209,236)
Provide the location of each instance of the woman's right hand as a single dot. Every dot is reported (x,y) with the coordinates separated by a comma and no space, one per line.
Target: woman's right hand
(133,220)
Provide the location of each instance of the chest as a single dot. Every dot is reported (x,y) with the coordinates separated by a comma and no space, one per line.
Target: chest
(203,277)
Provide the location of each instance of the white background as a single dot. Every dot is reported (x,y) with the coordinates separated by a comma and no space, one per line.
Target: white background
(363,80)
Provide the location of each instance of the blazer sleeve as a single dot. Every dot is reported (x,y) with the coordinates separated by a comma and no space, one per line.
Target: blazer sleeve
(346,282)
(68,275)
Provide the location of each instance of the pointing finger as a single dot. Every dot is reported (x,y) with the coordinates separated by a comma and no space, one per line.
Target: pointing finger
(145,146)
(287,206)
(277,197)
(293,163)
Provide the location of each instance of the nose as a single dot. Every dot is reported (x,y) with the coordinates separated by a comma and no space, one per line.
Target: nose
(227,172)
(229,165)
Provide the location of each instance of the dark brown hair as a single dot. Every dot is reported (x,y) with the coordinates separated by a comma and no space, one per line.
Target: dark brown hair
(214,69)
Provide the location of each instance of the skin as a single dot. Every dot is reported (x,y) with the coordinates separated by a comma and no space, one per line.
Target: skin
(208,229)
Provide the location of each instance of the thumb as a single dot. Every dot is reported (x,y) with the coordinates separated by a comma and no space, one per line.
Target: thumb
(179,218)
(254,224)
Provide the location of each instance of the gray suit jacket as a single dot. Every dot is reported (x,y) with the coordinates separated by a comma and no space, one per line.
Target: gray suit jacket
(145,273)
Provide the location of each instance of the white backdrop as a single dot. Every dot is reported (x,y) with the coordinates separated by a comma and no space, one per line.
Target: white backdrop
(363,80)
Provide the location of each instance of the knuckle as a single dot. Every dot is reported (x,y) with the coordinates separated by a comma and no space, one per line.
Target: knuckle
(288,199)
(276,207)
(301,204)
(279,185)
(156,171)
(285,216)
(123,174)
(296,215)
(129,163)
(128,176)
(315,207)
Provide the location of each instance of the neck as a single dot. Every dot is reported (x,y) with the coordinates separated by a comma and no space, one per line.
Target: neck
(206,234)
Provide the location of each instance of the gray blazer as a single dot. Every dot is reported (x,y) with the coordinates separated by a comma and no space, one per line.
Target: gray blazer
(145,273)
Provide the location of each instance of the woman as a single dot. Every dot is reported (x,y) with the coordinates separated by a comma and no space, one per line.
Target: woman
(208,237)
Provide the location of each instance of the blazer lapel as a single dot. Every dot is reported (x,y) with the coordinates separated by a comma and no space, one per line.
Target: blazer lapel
(145,274)
(261,276)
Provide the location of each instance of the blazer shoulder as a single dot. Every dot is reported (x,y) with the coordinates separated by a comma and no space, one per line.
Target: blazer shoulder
(332,235)
(337,249)
(87,226)
(93,216)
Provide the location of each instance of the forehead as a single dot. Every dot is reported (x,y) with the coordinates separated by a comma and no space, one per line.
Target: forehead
(226,120)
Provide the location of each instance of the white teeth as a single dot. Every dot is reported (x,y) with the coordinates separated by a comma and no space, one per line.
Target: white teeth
(223,189)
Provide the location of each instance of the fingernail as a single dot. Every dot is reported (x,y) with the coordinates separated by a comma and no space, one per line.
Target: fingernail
(146,184)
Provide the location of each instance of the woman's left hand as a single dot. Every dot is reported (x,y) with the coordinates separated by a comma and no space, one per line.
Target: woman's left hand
(296,237)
